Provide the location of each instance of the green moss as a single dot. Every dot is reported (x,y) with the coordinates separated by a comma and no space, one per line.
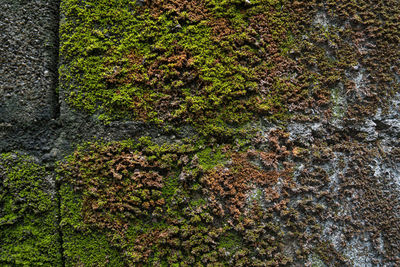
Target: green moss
(216,65)
(137,202)
(163,64)
(28,229)
(209,159)
(82,244)
(122,203)
(230,241)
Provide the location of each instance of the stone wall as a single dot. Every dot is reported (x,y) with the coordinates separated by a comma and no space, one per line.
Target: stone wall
(215,133)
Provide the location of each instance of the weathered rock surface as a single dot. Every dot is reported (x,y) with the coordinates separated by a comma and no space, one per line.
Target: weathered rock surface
(29,54)
(238,133)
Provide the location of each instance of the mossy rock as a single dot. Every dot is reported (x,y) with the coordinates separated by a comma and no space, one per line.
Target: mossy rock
(200,63)
(28,214)
(122,203)
(140,203)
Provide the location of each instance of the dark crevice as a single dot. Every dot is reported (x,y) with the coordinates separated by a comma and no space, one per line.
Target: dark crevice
(57,185)
(55,67)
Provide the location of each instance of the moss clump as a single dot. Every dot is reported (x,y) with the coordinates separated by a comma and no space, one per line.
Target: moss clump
(230,241)
(28,229)
(127,200)
(209,159)
(202,63)
(82,244)
(160,205)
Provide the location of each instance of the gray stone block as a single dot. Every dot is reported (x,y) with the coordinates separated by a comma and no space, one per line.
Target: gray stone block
(28,61)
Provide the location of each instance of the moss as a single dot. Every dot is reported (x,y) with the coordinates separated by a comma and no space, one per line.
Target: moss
(83,245)
(316,261)
(140,202)
(28,230)
(121,206)
(209,159)
(218,65)
(230,241)
(163,63)
(338,102)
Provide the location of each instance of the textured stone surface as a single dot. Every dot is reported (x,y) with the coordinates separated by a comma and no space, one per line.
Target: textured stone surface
(239,133)
(28,61)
